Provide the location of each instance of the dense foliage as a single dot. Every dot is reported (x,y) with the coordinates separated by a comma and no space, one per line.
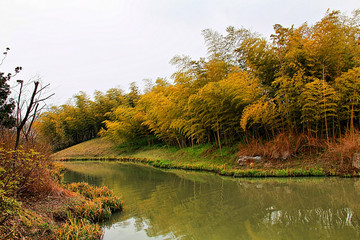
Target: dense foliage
(303,80)
(7,104)
(70,124)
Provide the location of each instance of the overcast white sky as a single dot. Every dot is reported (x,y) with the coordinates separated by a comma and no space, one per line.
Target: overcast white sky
(87,45)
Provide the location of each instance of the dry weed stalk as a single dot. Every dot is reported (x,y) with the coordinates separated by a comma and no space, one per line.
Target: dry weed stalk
(282,147)
(343,149)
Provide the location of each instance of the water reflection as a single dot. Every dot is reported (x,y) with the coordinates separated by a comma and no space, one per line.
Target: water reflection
(192,205)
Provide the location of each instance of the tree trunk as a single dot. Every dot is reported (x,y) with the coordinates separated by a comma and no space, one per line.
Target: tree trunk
(28,111)
(323,88)
(178,142)
(218,137)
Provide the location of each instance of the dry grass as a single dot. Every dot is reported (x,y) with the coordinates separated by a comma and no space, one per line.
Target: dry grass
(284,146)
(340,152)
(7,141)
(288,150)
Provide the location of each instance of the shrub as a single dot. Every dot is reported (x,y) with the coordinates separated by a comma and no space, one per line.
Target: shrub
(26,173)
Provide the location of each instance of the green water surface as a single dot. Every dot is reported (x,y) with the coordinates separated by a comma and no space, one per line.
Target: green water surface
(175,204)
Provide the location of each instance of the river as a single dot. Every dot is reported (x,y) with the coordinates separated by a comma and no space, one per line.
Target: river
(176,204)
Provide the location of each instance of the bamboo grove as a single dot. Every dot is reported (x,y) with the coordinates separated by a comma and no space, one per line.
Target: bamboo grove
(303,80)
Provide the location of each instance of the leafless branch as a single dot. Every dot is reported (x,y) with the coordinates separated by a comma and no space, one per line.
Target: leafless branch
(44,99)
(5,55)
(30,108)
(32,121)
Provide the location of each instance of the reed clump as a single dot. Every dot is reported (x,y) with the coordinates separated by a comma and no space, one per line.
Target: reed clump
(90,205)
(98,203)
(75,229)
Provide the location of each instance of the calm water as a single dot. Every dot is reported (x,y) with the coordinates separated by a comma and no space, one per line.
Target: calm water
(177,204)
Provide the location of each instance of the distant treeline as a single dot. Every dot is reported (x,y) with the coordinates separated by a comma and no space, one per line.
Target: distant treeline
(302,80)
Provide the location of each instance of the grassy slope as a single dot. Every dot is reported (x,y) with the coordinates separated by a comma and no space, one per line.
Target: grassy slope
(93,148)
(100,147)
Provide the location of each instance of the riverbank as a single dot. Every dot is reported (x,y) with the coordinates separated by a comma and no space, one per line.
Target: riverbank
(204,158)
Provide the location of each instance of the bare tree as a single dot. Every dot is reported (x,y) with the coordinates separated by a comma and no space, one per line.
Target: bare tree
(28,109)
